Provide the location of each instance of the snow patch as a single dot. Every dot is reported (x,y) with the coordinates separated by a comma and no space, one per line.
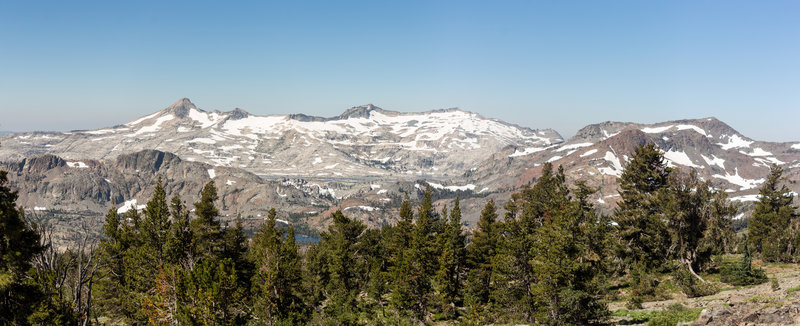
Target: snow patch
(574,146)
(554,158)
(203,140)
(526,151)
(758,151)
(735,142)
(366,208)
(692,127)
(616,166)
(79,165)
(38,208)
(746,198)
(743,183)
(137,121)
(589,152)
(452,188)
(128,205)
(155,126)
(656,130)
(230,182)
(211,173)
(680,158)
(714,161)
(204,118)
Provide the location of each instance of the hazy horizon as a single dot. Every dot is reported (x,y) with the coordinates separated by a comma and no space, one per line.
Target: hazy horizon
(72,66)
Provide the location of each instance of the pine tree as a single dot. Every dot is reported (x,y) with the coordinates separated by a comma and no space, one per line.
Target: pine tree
(374,244)
(294,309)
(452,262)
(567,265)
(693,209)
(719,236)
(210,295)
(206,234)
(179,240)
(401,261)
(422,257)
(513,266)
(772,225)
(479,259)
(18,246)
(156,224)
(267,284)
(641,224)
(550,267)
(345,265)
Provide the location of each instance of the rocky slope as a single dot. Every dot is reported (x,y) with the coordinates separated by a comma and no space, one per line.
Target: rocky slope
(363,143)
(597,154)
(362,161)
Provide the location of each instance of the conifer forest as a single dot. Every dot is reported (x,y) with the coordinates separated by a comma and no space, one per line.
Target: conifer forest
(550,258)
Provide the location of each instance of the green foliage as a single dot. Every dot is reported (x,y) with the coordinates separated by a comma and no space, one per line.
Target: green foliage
(547,261)
(210,295)
(674,314)
(277,281)
(668,214)
(205,229)
(773,225)
(55,311)
(742,272)
(690,285)
(794,289)
(551,263)
(480,258)
(339,267)
(671,316)
(642,231)
(18,244)
(452,263)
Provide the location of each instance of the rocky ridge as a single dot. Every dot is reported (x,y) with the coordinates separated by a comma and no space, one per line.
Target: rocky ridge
(361,161)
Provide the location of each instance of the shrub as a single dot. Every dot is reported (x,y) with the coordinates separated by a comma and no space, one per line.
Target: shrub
(742,273)
(674,314)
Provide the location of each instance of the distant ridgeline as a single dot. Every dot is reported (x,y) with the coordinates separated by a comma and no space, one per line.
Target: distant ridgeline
(362,162)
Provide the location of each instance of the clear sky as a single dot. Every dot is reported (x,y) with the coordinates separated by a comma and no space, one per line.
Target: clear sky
(540,64)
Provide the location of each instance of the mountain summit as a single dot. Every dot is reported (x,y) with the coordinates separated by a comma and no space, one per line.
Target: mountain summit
(180,108)
(363,142)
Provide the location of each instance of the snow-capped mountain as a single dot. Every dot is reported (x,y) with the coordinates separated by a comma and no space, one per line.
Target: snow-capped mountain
(364,142)
(362,161)
(598,153)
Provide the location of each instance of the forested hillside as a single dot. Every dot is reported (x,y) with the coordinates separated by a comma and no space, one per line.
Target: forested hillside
(552,258)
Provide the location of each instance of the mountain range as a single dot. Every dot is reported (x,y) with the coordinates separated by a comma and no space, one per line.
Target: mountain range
(362,161)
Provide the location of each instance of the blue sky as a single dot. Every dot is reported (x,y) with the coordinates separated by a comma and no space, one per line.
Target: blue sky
(540,64)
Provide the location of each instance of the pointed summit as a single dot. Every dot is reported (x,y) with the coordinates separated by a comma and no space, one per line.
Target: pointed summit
(180,108)
(238,114)
(362,111)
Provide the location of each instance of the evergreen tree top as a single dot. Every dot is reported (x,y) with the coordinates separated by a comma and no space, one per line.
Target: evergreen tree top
(645,172)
